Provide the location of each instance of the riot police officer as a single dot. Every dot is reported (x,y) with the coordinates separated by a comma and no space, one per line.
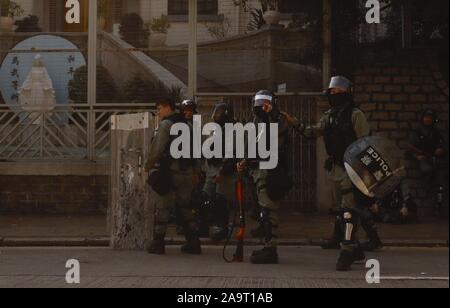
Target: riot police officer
(188,109)
(220,178)
(271,185)
(428,148)
(171,180)
(340,126)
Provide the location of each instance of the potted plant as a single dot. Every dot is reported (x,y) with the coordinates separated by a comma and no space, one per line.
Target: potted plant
(271,14)
(158,28)
(28,24)
(9,10)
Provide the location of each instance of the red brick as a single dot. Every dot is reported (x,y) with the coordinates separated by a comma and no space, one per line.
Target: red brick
(404,125)
(413,107)
(392,89)
(363,79)
(442,84)
(362,98)
(428,80)
(418,98)
(374,88)
(381,97)
(438,99)
(417,80)
(401,98)
(358,89)
(388,125)
(399,135)
(429,88)
(391,71)
(407,116)
(402,79)
(393,107)
(372,70)
(393,116)
(437,75)
(382,79)
(369,107)
(412,89)
(380,115)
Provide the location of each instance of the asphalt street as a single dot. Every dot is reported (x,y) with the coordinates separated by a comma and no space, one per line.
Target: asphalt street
(301,267)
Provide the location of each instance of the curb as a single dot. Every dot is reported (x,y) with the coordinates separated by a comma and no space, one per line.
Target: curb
(105,242)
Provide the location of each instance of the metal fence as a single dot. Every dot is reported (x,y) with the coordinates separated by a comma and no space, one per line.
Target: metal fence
(304,164)
(68,133)
(82,133)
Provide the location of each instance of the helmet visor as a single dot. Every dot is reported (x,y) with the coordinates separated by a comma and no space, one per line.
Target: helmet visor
(261,100)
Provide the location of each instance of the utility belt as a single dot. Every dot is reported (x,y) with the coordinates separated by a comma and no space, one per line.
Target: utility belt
(160,179)
(333,161)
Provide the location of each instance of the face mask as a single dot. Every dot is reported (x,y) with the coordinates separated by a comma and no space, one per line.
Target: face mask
(340,99)
(260,113)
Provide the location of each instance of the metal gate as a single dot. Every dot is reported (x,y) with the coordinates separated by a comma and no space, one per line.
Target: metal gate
(303,195)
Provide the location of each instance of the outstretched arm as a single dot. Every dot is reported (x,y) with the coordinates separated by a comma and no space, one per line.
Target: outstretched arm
(312,131)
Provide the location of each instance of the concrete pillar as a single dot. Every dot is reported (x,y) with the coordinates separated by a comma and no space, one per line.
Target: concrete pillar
(327,39)
(92,73)
(192,67)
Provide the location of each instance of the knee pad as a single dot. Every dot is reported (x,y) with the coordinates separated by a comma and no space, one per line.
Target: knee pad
(349,223)
(349,216)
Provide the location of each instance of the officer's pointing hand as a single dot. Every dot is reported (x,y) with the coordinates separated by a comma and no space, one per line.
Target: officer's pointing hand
(242,166)
(289,118)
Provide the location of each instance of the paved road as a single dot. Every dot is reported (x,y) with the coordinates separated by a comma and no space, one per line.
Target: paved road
(300,267)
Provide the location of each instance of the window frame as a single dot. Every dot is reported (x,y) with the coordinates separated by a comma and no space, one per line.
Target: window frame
(184,11)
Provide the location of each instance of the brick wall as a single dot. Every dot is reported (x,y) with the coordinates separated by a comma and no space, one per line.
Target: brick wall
(393,98)
(53,194)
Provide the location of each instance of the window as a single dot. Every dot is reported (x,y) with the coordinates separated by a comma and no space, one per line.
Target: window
(205,7)
(291,6)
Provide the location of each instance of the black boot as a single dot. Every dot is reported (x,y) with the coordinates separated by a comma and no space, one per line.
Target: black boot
(358,255)
(258,232)
(157,246)
(345,261)
(373,244)
(267,255)
(193,245)
(335,242)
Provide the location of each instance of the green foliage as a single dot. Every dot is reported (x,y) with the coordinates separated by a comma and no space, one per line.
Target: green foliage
(160,25)
(11,9)
(219,30)
(140,90)
(107,91)
(133,30)
(256,19)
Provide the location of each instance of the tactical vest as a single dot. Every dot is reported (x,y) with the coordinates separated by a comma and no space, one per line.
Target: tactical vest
(184,162)
(339,133)
(429,140)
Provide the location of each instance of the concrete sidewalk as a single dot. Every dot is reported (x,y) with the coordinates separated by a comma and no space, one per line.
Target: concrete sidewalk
(300,267)
(295,229)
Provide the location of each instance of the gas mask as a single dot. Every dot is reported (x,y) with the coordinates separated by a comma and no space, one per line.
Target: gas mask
(338,100)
